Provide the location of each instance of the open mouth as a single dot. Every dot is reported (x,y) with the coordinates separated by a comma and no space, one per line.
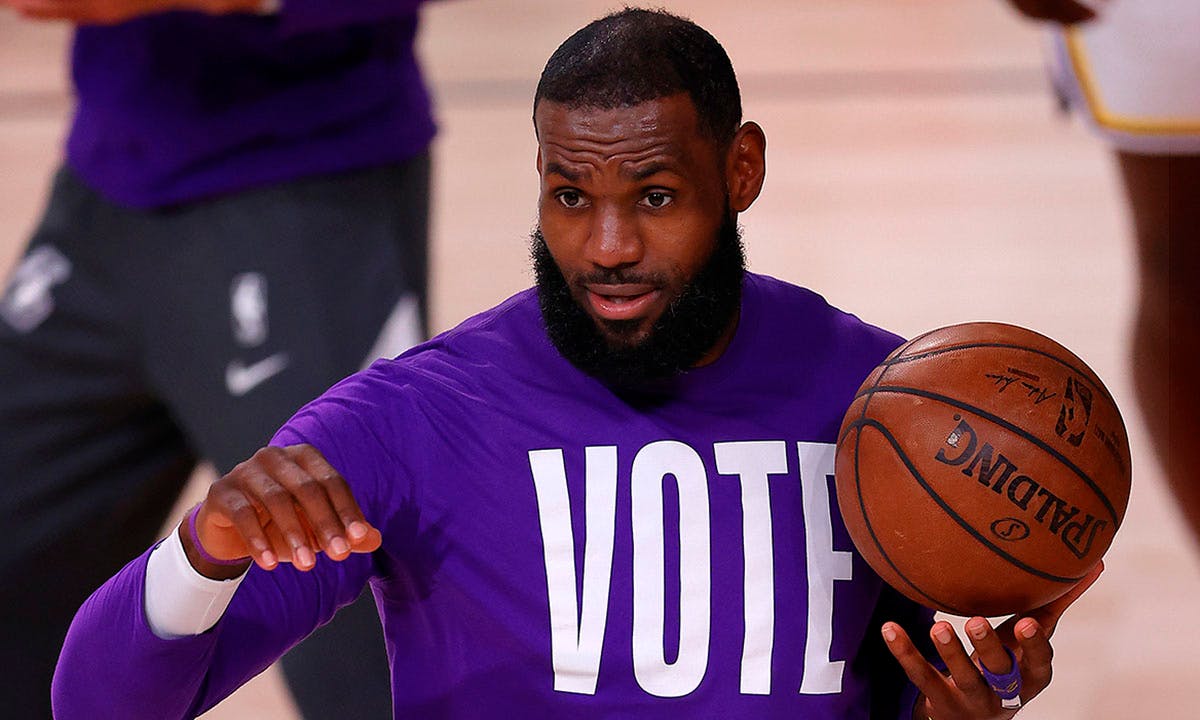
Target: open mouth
(621,302)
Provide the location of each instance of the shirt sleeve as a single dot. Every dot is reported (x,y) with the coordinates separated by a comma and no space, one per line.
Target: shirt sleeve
(113,665)
(299,16)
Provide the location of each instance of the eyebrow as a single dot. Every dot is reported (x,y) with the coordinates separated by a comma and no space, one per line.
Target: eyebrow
(559,169)
(641,173)
(650,170)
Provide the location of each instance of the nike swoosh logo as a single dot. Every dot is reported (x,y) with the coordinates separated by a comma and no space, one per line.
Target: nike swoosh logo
(241,378)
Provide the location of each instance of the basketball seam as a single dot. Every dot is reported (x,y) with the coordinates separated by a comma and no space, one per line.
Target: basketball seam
(862,509)
(900,390)
(857,428)
(1090,376)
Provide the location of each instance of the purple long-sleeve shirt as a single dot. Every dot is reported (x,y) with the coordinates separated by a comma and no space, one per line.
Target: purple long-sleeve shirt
(555,550)
(178,106)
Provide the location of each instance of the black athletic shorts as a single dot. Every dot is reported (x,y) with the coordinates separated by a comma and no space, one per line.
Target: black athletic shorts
(134,343)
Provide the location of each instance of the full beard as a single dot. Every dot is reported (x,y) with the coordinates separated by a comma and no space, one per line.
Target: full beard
(690,327)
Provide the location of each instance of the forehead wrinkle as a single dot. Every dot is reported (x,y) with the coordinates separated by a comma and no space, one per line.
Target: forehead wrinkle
(585,141)
(584,158)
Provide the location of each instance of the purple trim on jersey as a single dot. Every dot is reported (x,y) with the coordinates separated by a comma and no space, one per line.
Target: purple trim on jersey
(507,484)
(179,106)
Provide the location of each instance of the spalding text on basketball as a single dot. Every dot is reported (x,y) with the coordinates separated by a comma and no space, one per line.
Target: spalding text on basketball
(992,469)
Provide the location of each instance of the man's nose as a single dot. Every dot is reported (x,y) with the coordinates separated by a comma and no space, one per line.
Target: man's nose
(614,240)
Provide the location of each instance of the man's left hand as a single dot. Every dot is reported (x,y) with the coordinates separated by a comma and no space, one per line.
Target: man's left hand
(964,693)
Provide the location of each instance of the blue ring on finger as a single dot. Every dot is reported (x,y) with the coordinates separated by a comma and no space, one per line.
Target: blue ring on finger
(1006,686)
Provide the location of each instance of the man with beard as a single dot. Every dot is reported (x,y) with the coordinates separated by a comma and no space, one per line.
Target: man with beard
(607,496)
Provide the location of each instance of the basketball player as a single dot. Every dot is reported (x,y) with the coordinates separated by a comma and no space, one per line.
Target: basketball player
(1132,73)
(608,496)
(242,208)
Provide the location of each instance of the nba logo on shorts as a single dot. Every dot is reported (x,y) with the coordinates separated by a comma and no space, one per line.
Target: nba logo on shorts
(248,308)
(27,301)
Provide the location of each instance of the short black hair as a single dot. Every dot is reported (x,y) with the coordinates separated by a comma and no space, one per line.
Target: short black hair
(637,55)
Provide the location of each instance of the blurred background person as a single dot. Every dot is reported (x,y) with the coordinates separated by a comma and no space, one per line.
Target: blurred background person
(240,221)
(1132,70)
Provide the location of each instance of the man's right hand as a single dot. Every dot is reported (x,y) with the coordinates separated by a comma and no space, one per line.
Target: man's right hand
(282,505)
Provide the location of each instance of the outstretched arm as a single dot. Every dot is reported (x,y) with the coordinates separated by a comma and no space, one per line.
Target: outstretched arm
(282,508)
(964,693)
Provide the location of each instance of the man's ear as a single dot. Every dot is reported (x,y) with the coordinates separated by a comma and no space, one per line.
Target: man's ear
(538,163)
(746,166)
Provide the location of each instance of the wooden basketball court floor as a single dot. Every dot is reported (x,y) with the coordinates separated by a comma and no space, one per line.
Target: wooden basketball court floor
(918,175)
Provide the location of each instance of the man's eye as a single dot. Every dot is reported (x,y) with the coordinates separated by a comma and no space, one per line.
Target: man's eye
(570,198)
(657,199)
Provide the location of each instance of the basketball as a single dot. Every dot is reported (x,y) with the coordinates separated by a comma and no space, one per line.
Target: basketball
(982,469)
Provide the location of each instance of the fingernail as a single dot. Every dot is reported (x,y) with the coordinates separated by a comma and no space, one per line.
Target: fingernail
(889,633)
(943,634)
(306,557)
(269,558)
(339,546)
(1028,630)
(357,530)
(977,628)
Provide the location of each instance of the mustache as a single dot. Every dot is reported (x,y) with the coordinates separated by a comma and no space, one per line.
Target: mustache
(617,276)
(597,276)
(694,319)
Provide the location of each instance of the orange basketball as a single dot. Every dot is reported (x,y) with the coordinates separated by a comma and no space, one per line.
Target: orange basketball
(982,469)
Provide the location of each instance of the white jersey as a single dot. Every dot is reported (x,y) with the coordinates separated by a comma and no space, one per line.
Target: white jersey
(1134,73)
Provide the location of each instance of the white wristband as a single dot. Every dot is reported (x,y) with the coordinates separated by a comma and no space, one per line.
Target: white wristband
(180,601)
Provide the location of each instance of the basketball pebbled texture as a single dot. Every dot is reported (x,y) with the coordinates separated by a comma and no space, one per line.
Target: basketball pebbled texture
(982,469)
